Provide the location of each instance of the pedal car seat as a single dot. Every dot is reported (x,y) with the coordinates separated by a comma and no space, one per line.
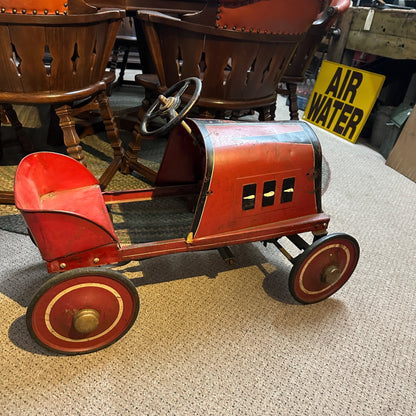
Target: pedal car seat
(62,204)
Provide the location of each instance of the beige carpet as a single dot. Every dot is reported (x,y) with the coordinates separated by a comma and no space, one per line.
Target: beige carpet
(214,340)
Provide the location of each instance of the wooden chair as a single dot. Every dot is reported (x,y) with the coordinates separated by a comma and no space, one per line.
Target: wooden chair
(239,49)
(304,54)
(56,52)
(240,52)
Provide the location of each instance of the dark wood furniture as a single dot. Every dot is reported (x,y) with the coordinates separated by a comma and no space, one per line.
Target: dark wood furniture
(130,39)
(302,58)
(388,32)
(56,53)
(239,50)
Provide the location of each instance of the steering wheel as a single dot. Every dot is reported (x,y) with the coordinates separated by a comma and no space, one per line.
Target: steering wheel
(166,105)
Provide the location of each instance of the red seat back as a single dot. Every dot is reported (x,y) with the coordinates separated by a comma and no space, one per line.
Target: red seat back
(39,174)
(269,16)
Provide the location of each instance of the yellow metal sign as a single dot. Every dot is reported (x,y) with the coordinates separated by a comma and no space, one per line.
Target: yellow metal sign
(342,99)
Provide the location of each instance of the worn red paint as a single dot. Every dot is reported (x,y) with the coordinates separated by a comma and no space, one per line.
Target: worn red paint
(66,212)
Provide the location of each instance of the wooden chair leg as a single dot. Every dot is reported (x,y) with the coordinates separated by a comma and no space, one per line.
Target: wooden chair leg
(114,138)
(130,162)
(273,111)
(293,101)
(55,135)
(123,66)
(265,114)
(70,136)
(23,138)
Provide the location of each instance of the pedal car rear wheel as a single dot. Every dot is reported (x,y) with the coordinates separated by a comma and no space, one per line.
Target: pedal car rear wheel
(82,310)
(323,268)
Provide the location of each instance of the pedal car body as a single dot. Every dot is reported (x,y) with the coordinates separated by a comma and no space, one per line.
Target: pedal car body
(250,182)
(239,182)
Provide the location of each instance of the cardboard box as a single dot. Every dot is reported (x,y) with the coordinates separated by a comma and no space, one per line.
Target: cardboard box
(403,156)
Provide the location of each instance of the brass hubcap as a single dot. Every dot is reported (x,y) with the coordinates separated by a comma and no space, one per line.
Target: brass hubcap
(86,320)
(330,274)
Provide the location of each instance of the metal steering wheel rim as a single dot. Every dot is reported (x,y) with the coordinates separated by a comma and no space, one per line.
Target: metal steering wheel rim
(168,104)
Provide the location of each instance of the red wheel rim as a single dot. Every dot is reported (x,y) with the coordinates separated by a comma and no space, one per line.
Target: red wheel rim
(324,268)
(54,316)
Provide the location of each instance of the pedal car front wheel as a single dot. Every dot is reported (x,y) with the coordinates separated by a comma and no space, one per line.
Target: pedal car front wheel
(323,268)
(82,310)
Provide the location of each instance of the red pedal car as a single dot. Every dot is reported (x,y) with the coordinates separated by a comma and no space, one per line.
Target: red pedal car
(238,182)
